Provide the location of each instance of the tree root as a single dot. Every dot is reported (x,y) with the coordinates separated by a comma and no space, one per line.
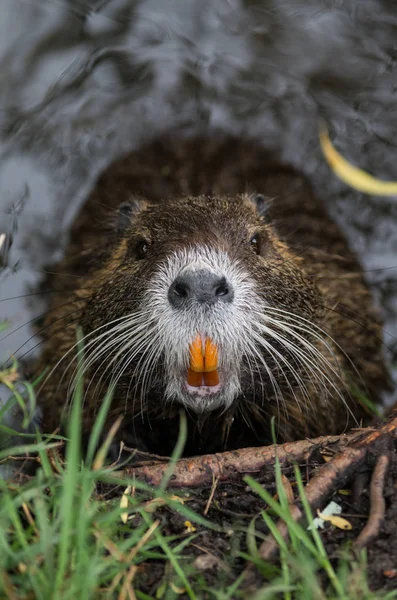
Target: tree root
(202,470)
(378,505)
(336,473)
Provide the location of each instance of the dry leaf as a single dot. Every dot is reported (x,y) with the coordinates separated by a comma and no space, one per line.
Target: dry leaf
(326,457)
(353,176)
(189,527)
(335,520)
(203,562)
(177,499)
(176,589)
(10,375)
(154,504)
(332,508)
(124,504)
(288,489)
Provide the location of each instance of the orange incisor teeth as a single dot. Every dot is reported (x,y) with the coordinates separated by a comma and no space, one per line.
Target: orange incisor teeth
(197,355)
(211,378)
(194,378)
(203,363)
(211,356)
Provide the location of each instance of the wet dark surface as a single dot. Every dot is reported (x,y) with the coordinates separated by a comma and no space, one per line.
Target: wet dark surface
(83,82)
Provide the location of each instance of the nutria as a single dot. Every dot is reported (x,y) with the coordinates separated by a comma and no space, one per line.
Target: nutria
(211,244)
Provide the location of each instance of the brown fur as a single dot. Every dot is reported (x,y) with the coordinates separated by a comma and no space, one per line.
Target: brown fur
(187,187)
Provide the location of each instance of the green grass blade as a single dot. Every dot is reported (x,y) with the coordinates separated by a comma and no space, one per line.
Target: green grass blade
(176,454)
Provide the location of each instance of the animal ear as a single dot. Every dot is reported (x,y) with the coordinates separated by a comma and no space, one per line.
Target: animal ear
(126,213)
(261,203)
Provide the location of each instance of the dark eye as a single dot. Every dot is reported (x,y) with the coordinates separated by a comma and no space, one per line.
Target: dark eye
(142,248)
(255,244)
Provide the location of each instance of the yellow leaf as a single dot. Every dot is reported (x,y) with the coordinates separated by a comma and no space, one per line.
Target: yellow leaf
(177,499)
(176,589)
(124,504)
(353,176)
(189,527)
(335,520)
(152,505)
(327,457)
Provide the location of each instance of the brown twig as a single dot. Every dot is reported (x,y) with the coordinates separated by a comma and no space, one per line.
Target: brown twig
(213,488)
(127,589)
(331,476)
(142,457)
(378,505)
(201,470)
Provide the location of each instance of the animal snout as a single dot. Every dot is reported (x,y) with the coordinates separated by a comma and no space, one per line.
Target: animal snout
(201,286)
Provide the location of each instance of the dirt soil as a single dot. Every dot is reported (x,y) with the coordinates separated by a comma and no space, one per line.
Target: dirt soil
(217,555)
(234,505)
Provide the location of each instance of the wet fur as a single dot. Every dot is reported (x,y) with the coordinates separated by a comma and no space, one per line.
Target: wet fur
(309,270)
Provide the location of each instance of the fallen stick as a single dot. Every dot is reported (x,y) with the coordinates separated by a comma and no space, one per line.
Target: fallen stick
(331,476)
(201,470)
(378,504)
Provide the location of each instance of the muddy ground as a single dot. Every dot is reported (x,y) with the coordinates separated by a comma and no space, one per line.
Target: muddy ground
(234,505)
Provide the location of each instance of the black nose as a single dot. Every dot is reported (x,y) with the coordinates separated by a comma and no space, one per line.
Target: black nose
(199,286)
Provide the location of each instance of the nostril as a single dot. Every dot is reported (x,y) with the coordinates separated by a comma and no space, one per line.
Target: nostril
(221,287)
(181,289)
(222,290)
(180,292)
